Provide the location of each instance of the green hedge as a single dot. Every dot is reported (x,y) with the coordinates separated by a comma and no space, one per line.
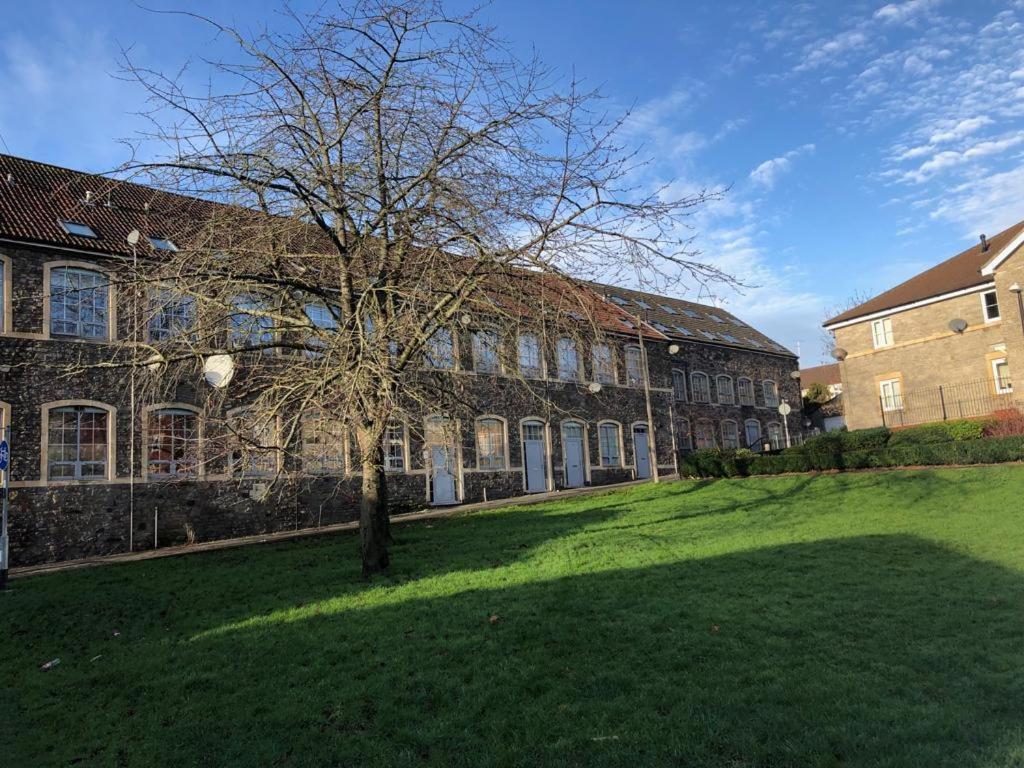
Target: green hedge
(824,454)
(942,432)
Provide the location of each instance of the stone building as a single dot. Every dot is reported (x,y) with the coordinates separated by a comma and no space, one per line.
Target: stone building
(941,345)
(97,467)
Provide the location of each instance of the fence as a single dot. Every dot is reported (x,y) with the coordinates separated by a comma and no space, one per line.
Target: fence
(949,401)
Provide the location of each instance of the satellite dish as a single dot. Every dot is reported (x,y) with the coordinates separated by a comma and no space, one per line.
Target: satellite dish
(957,325)
(673,349)
(839,353)
(218,370)
(133,237)
(795,375)
(594,387)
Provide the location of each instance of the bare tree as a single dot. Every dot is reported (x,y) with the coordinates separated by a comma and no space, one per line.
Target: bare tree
(828,338)
(388,174)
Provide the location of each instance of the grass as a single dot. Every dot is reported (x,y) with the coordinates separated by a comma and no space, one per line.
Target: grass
(840,620)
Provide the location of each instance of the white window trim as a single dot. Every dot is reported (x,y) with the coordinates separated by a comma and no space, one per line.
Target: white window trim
(889,312)
(984,308)
(504,439)
(625,364)
(405,448)
(6,294)
(722,430)
(44,441)
(498,368)
(882,398)
(686,386)
(732,389)
(314,417)
(600,449)
(696,431)
(48,268)
(739,391)
(886,333)
(548,468)
(687,434)
(148,411)
(558,359)
(586,447)
(995,377)
(693,389)
(542,373)
(611,364)
(275,451)
(764,393)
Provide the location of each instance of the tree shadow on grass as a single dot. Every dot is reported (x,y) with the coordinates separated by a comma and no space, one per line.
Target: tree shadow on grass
(878,650)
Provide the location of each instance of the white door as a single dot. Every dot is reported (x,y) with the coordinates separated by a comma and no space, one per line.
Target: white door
(442,475)
(534,457)
(572,444)
(641,449)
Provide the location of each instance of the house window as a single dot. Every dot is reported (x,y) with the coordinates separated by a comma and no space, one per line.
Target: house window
(891,393)
(248,325)
(394,448)
(79,303)
(723,384)
(730,434)
(170,315)
(485,351)
(700,387)
(323,445)
(253,445)
(490,444)
(77,443)
(771,394)
(990,306)
(323,320)
(78,229)
(775,436)
(881,332)
(440,351)
(568,360)
(1001,376)
(162,244)
(604,364)
(531,364)
(3,295)
(752,433)
(172,448)
(705,433)
(609,439)
(634,366)
(746,391)
(684,440)
(679,386)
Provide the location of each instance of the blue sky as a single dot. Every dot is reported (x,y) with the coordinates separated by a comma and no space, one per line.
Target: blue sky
(861,141)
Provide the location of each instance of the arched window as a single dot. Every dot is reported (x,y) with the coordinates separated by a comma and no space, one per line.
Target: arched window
(771,394)
(679,386)
(248,324)
(79,442)
(684,440)
(325,323)
(172,442)
(80,303)
(604,364)
(485,351)
(730,434)
(752,433)
(700,387)
(440,351)
(170,315)
(531,362)
(705,434)
(634,366)
(610,443)
(745,388)
(568,360)
(490,443)
(253,444)
(723,384)
(775,436)
(323,445)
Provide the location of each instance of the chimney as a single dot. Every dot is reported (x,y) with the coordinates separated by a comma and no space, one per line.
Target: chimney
(88,197)
(984,243)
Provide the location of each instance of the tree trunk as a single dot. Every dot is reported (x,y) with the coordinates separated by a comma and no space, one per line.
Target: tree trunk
(374,526)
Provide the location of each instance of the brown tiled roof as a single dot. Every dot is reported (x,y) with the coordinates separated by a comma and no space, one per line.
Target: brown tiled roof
(687,320)
(960,272)
(822,374)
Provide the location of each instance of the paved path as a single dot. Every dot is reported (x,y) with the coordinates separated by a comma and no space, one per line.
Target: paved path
(208,546)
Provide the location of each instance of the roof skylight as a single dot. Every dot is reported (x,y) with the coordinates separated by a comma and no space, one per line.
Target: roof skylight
(691,313)
(162,244)
(668,309)
(617,299)
(79,229)
(683,330)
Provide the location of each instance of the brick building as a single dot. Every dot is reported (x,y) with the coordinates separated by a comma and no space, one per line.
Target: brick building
(941,345)
(95,469)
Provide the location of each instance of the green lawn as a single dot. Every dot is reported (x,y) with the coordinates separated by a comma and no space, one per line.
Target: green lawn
(840,620)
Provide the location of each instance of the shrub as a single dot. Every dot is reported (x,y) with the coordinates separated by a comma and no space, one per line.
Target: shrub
(705,462)
(865,439)
(1005,423)
(824,451)
(775,464)
(940,432)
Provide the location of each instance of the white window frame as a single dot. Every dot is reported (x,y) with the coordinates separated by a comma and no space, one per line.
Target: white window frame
(567,356)
(503,441)
(603,361)
(49,269)
(684,437)
(727,394)
(110,459)
(770,392)
(696,395)
(997,381)
(697,434)
(984,307)
(531,367)
(486,356)
(733,441)
(606,460)
(881,333)
(246,460)
(324,451)
(174,409)
(259,330)
(441,355)
(745,391)
(893,400)
(6,280)
(159,301)
(633,358)
(402,441)
(679,392)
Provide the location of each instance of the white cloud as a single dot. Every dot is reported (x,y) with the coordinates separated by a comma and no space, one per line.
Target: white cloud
(961,129)
(901,13)
(826,51)
(768,172)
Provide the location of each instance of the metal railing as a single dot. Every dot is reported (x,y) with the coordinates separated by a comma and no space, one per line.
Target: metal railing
(949,401)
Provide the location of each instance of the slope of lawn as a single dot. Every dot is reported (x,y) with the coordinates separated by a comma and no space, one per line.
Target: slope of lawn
(840,620)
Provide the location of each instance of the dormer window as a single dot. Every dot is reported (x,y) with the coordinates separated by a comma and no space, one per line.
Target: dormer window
(78,229)
(162,244)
